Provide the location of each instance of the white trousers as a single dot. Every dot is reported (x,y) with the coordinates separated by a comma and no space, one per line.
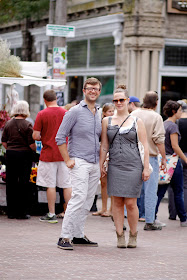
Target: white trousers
(84,179)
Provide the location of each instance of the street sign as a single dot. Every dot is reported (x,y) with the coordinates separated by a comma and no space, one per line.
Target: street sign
(60,30)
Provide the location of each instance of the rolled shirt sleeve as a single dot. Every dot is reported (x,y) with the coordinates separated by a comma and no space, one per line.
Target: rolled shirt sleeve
(67,123)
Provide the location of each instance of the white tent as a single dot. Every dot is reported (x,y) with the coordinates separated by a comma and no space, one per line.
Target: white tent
(32,73)
(28,80)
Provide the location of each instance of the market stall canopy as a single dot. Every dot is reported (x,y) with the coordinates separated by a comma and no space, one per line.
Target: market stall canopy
(34,69)
(32,73)
(28,80)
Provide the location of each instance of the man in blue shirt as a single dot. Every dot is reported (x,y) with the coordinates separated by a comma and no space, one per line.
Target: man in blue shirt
(82,125)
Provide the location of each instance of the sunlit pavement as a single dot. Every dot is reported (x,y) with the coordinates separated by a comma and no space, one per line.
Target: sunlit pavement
(28,251)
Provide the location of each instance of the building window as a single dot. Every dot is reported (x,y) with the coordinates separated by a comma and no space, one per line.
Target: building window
(16,52)
(77,54)
(175,56)
(91,53)
(102,52)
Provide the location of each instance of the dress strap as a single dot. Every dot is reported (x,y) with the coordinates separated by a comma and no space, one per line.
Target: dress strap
(109,120)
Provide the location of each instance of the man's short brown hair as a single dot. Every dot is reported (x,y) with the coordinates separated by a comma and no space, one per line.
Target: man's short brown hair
(49,95)
(92,81)
(150,100)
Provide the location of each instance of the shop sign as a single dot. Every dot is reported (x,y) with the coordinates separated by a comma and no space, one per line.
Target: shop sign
(177,7)
(180,5)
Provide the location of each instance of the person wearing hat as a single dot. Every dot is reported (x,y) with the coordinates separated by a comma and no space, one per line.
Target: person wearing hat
(134,103)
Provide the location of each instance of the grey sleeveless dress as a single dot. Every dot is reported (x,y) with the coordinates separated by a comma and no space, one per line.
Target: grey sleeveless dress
(124,177)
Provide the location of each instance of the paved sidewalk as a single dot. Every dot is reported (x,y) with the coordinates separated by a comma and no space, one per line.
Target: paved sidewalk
(28,251)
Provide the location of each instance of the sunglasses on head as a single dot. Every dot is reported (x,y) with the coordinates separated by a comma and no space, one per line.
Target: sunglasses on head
(121,100)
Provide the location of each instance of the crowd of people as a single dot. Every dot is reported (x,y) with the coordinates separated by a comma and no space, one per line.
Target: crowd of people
(80,147)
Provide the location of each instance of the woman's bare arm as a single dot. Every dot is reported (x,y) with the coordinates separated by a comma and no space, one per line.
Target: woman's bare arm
(174,143)
(104,144)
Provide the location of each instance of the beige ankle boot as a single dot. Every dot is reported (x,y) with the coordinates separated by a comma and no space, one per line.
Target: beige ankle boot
(121,240)
(132,240)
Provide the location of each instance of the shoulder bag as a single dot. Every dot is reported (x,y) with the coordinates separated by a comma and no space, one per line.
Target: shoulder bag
(165,175)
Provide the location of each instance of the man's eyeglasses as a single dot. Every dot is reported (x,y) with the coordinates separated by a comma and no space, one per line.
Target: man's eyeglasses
(121,100)
(92,88)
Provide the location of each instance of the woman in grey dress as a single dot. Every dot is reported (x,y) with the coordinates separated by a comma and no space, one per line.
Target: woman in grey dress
(125,169)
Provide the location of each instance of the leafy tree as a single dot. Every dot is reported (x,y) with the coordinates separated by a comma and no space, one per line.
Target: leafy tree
(22,9)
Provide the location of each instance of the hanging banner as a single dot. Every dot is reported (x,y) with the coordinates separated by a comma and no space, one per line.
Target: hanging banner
(59,62)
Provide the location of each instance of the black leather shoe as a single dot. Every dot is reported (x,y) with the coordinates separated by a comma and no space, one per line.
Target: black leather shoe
(84,241)
(11,217)
(23,217)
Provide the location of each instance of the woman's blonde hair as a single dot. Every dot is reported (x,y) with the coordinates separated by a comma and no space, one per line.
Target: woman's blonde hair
(21,108)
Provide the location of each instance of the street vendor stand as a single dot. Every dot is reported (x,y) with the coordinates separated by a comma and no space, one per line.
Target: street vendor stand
(32,73)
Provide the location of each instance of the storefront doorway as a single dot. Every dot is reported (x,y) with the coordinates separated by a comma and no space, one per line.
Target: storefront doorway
(174,88)
(75,88)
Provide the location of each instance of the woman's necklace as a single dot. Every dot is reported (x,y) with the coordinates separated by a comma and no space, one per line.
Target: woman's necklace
(122,118)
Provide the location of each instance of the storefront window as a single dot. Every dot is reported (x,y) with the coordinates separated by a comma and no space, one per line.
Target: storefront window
(91,55)
(102,52)
(77,54)
(175,56)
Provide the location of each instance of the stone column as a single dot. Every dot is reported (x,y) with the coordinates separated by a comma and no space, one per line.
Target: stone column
(128,53)
(144,85)
(138,74)
(132,78)
(154,70)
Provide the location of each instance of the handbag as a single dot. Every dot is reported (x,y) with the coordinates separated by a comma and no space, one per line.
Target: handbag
(165,175)
(141,148)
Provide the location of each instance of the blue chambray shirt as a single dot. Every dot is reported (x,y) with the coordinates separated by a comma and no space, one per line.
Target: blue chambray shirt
(83,130)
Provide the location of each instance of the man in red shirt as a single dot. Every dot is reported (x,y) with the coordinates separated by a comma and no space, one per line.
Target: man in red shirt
(52,171)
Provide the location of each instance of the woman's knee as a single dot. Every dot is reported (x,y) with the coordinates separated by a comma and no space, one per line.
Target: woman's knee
(131,204)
